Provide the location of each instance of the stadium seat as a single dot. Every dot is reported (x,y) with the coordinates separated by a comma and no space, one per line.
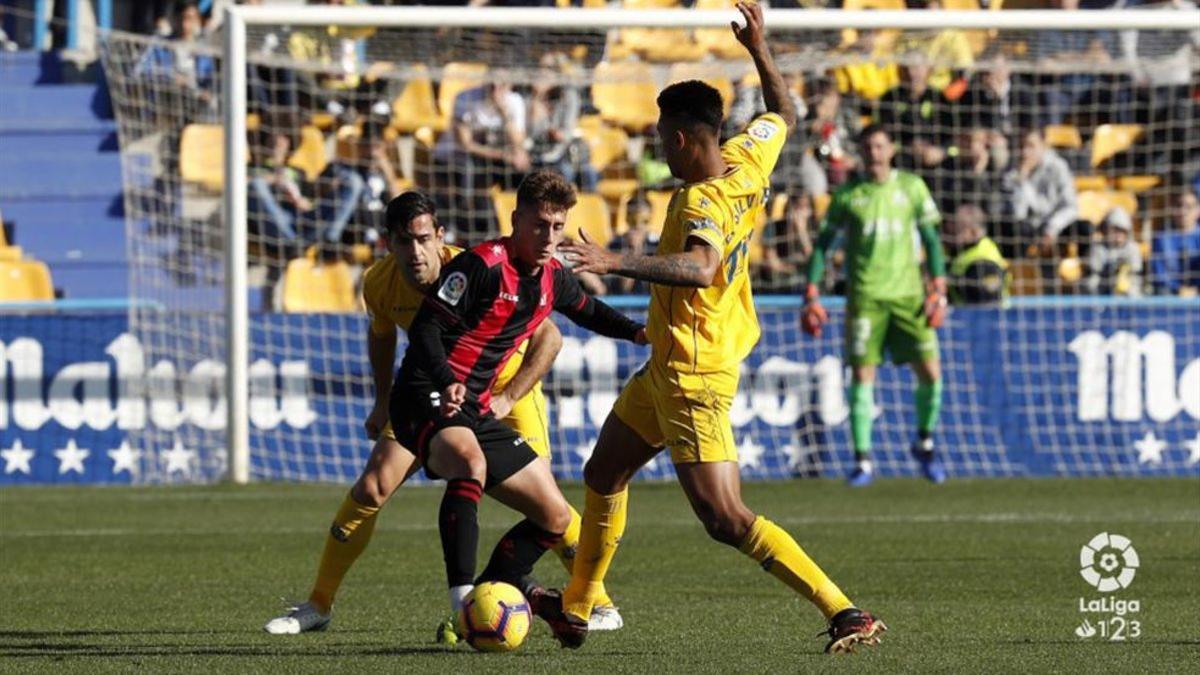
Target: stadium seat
(605,144)
(1111,139)
(850,35)
(625,94)
(457,77)
(719,42)
(309,286)
(311,157)
(416,106)
(821,205)
(3,233)
(10,253)
(663,45)
(592,216)
(503,202)
(1026,277)
(1095,204)
(1063,136)
(713,76)
(1137,183)
(25,281)
(1090,183)
(202,155)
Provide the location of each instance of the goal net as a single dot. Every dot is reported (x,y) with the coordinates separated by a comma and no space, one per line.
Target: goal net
(1072,149)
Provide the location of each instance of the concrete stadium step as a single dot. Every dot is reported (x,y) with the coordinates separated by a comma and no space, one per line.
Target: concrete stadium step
(91,281)
(55,106)
(57,176)
(92,138)
(98,241)
(27,68)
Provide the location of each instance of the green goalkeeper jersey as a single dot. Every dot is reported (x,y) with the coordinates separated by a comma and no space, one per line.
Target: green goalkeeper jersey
(882,224)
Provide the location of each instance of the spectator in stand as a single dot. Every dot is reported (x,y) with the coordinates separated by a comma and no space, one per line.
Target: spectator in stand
(1043,198)
(375,160)
(796,168)
(948,51)
(637,239)
(553,115)
(344,81)
(996,100)
(832,129)
(973,174)
(1069,52)
(978,272)
(1175,257)
(1115,263)
(787,245)
(917,115)
(485,146)
(187,73)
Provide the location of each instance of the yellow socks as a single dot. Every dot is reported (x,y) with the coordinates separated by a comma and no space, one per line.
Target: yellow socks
(779,554)
(351,530)
(603,525)
(565,550)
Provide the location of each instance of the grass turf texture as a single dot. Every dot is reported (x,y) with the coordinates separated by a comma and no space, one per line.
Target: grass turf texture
(974,576)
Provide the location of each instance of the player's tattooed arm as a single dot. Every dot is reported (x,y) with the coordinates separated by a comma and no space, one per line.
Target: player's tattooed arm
(696,267)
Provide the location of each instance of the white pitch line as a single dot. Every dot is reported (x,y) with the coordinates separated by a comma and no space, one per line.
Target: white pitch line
(1189,517)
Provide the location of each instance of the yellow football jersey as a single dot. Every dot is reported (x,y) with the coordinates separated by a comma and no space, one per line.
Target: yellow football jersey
(704,330)
(390,299)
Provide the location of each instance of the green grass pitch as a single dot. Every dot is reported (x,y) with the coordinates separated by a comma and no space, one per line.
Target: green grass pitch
(974,576)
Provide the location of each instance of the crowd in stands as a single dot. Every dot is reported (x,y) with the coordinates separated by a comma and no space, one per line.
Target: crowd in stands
(1051,177)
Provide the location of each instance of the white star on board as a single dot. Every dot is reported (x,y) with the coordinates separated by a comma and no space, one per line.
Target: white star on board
(17,458)
(178,458)
(1194,447)
(749,453)
(71,458)
(795,455)
(125,458)
(1149,449)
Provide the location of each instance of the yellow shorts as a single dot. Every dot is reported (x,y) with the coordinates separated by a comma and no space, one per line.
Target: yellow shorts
(689,414)
(528,415)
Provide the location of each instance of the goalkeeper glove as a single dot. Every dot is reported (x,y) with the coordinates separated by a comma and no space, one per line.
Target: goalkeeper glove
(813,316)
(935,303)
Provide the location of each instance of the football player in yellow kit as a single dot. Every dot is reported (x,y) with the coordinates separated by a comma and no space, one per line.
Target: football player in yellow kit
(701,325)
(393,290)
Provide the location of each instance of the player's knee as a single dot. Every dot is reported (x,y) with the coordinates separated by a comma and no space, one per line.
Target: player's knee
(558,519)
(367,491)
(604,477)
(727,525)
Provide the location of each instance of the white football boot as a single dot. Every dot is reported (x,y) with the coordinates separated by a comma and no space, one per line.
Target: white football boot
(605,617)
(302,618)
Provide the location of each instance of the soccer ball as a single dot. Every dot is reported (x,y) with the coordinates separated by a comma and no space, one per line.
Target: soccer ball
(495,617)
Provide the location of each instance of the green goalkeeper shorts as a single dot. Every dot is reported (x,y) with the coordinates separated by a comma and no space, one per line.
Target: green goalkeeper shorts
(897,325)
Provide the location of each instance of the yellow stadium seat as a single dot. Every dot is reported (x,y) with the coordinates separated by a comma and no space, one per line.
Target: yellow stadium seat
(617,190)
(323,121)
(605,144)
(591,215)
(416,107)
(1026,277)
(503,202)
(310,157)
(10,253)
(1111,139)
(457,77)
(665,45)
(1063,136)
(25,281)
(660,202)
(850,35)
(625,94)
(1138,183)
(714,77)
(1090,183)
(309,286)
(649,4)
(1095,204)
(719,42)
(821,205)
(202,155)
(3,234)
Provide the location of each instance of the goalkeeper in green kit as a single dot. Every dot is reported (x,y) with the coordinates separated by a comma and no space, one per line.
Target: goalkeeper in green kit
(889,306)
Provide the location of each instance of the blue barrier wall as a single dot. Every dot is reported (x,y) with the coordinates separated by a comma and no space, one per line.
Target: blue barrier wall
(1075,387)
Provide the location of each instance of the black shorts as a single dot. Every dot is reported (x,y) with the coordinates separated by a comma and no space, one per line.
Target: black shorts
(416,418)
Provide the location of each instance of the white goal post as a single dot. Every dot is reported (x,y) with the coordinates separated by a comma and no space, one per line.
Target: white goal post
(234,103)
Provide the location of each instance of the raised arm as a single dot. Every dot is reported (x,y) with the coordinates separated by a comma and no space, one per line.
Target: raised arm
(774,89)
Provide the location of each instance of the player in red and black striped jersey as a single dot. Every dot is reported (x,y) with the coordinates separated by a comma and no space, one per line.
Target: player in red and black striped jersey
(486,303)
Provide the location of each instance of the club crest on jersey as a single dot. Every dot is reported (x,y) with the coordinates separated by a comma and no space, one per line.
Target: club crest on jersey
(762,130)
(453,288)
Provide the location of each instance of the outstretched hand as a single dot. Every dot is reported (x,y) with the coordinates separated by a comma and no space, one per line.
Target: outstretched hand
(586,256)
(752,34)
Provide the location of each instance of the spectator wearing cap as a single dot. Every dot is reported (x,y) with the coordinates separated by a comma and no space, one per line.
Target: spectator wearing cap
(1115,263)
(1175,256)
(978,272)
